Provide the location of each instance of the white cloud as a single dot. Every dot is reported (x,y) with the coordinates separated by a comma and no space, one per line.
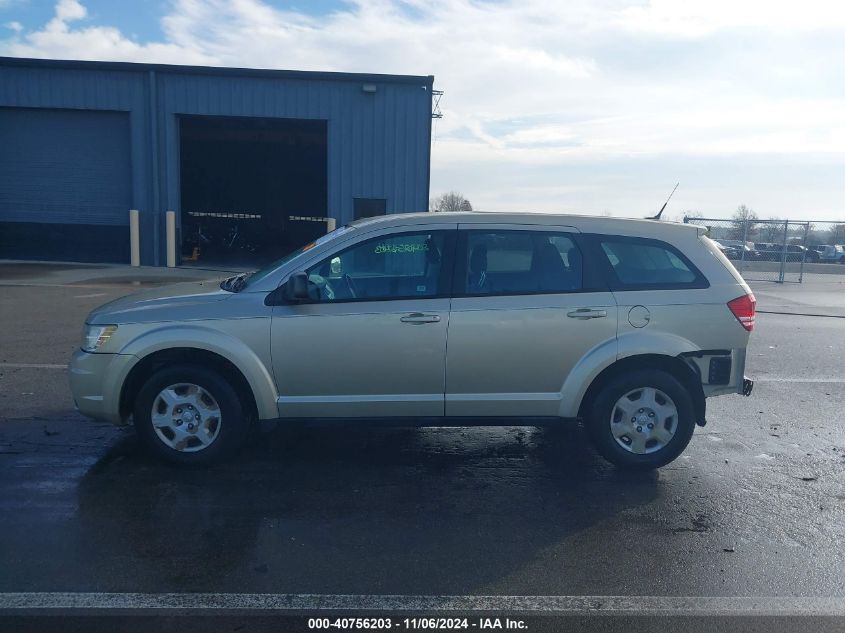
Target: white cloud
(537,87)
(700,17)
(69,11)
(60,39)
(14,25)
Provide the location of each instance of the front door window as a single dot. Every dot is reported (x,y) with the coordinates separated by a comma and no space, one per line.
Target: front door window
(398,266)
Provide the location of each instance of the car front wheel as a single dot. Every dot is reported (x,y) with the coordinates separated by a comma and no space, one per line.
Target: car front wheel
(641,420)
(189,415)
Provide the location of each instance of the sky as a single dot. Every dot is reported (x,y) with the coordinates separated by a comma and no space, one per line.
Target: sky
(574,106)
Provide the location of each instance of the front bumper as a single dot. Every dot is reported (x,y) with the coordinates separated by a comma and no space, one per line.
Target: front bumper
(95,382)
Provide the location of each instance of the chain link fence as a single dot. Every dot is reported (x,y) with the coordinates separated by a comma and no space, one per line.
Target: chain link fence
(778,250)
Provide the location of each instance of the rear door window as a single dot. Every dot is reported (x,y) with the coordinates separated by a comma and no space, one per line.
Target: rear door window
(647,263)
(506,262)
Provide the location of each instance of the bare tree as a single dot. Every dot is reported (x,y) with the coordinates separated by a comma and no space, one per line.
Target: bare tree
(450,201)
(836,234)
(743,223)
(772,230)
(696,217)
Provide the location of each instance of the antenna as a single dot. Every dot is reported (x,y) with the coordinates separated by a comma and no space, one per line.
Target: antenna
(659,213)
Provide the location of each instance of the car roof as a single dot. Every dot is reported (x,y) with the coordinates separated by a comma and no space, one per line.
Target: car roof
(585,223)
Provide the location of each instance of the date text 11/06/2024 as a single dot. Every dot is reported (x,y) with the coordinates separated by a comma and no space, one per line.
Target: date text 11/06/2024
(429,624)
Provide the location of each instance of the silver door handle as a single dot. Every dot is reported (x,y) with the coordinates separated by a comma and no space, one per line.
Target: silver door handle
(586,313)
(419,318)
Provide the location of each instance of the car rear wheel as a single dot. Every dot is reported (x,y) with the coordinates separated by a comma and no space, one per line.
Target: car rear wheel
(189,415)
(641,420)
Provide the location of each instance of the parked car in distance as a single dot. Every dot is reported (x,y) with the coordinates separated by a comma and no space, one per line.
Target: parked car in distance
(769,251)
(626,325)
(832,254)
(731,252)
(750,252)
(796,252)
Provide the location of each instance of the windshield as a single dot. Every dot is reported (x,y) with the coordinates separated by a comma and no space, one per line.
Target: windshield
(252,278)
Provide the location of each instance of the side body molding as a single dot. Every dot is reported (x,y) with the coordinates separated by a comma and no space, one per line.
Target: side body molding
(207,338)
(642,342)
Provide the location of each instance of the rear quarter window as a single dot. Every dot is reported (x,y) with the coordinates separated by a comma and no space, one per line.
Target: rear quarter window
(640,263)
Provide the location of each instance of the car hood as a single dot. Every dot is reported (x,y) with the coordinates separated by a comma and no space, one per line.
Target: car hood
(166,303)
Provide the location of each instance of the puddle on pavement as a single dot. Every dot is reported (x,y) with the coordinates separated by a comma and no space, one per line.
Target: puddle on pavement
(25,271)
(133,281)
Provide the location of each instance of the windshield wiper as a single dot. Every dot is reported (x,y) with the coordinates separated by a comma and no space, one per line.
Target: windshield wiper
(235,283)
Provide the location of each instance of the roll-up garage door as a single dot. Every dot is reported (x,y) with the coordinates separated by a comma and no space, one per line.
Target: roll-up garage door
(65,185)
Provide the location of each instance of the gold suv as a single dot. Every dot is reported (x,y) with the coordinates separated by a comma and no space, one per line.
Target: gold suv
(436,319)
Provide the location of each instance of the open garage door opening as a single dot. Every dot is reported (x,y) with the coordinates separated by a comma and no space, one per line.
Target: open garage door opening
(243,180)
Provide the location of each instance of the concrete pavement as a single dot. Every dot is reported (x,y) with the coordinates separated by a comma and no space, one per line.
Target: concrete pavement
(755,508)
(818,294)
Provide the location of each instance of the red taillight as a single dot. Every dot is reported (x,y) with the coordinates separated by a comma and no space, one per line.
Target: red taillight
(744,308)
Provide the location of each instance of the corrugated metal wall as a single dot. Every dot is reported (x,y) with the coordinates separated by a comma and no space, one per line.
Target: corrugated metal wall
(64,166)
(378,144)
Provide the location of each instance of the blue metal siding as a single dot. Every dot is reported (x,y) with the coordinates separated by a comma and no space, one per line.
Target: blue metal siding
(64,166)
(378,144)
(95,90)
(76,89)
(362,163)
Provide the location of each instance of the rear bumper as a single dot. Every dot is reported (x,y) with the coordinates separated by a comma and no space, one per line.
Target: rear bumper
(747,386)
(95,382)
(722,372)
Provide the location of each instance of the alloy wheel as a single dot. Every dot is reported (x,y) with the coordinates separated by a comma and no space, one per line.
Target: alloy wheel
(644,420)
(186,417)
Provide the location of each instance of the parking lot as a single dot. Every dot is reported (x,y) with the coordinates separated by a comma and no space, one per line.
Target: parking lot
(754,508)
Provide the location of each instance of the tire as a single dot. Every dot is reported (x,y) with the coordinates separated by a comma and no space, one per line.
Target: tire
(218,432)
(613,422)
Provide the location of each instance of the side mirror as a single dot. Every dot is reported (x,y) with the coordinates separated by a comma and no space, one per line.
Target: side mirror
(297,286)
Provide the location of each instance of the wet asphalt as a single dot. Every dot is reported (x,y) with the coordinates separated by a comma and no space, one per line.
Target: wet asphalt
(755,507)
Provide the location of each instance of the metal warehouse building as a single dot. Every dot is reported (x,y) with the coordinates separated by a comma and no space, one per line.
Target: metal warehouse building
(250,161)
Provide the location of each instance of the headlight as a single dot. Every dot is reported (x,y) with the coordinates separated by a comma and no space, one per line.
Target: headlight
(95,336)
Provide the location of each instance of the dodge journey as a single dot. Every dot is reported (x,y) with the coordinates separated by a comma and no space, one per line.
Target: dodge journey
(442,319)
